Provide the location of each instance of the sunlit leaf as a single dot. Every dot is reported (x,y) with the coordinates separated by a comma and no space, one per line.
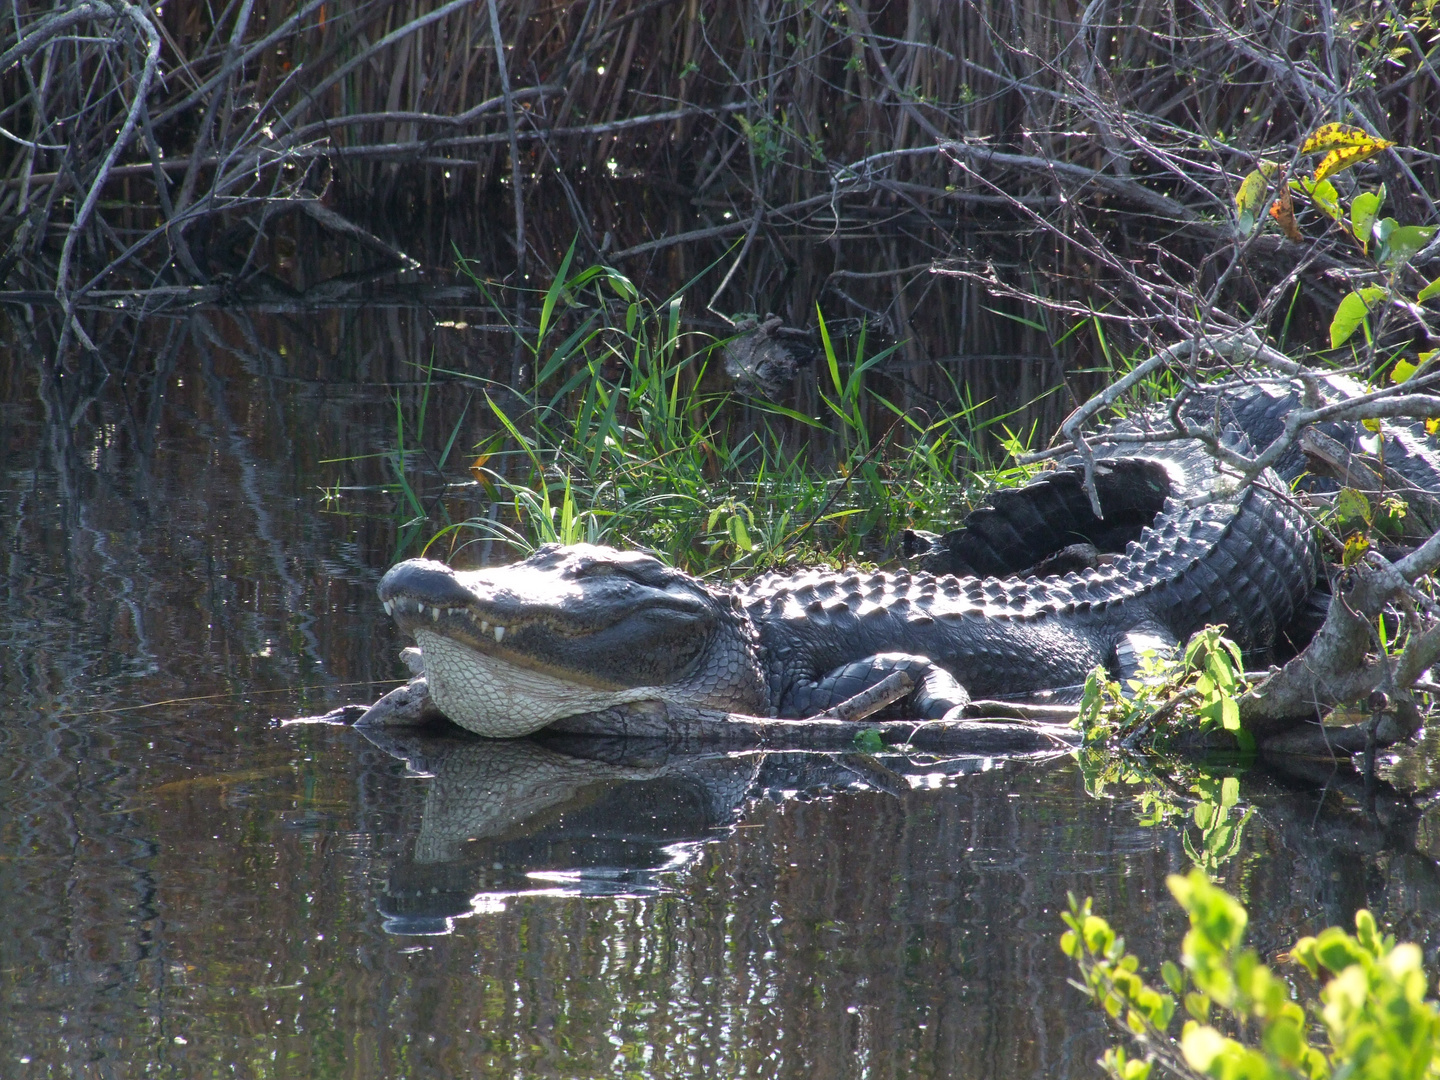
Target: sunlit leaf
(870,742)
(1249,199)
(1323,195)
(1351,507)
(1340,137)
(1229,714)
(1363,209)
(1355,549)
(623,286)
(1352,311)
(739,535)
(1344,157)
(1433,289)
(1402,370)
(1401,242)
(1344,146)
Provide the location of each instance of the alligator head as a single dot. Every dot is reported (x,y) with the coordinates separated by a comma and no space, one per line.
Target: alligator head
(572,630)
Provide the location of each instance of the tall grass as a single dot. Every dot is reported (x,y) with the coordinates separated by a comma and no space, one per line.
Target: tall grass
(625,433)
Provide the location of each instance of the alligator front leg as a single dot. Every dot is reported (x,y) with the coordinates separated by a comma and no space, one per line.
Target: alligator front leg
(936,695)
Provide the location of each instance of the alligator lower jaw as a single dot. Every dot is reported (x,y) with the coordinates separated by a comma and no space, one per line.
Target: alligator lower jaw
(490,696)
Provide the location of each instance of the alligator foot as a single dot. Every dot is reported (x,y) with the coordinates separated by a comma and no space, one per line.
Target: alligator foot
(405,706)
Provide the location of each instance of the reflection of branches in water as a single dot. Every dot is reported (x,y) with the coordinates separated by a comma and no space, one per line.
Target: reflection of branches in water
(162,562)
(1334,822)
(924,898)
(122,571)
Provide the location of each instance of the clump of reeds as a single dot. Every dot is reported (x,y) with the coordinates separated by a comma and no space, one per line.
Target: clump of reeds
(614,434)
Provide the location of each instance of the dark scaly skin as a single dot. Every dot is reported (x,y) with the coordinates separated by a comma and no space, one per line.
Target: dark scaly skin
(589,627)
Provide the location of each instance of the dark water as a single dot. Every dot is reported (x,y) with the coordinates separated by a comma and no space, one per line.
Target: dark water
(191,889)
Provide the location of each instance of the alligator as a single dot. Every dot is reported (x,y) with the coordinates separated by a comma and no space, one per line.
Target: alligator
(579,629)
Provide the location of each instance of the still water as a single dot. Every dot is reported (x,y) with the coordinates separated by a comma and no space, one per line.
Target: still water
(193,889)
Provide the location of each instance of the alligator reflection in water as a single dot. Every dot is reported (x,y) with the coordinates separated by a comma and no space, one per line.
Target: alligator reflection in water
(590,817)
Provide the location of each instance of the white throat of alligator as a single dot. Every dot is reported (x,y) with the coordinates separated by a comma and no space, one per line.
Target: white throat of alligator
(484,694)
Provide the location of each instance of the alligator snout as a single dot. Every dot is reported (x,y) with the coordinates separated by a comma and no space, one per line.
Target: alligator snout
(425,580)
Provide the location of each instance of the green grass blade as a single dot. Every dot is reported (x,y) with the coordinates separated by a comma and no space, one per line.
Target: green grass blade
(552,296)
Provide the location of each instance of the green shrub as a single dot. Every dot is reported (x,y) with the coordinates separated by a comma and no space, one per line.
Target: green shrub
(1369,1019)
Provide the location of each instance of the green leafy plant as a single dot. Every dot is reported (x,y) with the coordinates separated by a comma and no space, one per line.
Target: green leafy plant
(1370,1017)
(1167,695)
(1387,245)
(868,741)
(619,436)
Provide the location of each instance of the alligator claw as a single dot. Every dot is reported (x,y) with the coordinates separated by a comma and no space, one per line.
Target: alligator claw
(405,706)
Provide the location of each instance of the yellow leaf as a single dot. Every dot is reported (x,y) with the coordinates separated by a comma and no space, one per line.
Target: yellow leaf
(1432,426)
(1249,199)
(1355,548)
(1402,370)
(1338,136)
(1340,160)
(1202,1045)
(1372,426)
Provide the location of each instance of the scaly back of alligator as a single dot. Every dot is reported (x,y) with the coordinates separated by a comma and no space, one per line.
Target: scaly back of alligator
(1246,561)
(1179,550)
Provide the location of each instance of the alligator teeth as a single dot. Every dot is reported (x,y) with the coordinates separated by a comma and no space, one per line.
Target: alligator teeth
(434,614)
(389,607)
(484,626)
(499,633)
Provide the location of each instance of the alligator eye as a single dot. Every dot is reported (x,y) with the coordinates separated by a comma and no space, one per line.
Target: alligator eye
(596,569)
